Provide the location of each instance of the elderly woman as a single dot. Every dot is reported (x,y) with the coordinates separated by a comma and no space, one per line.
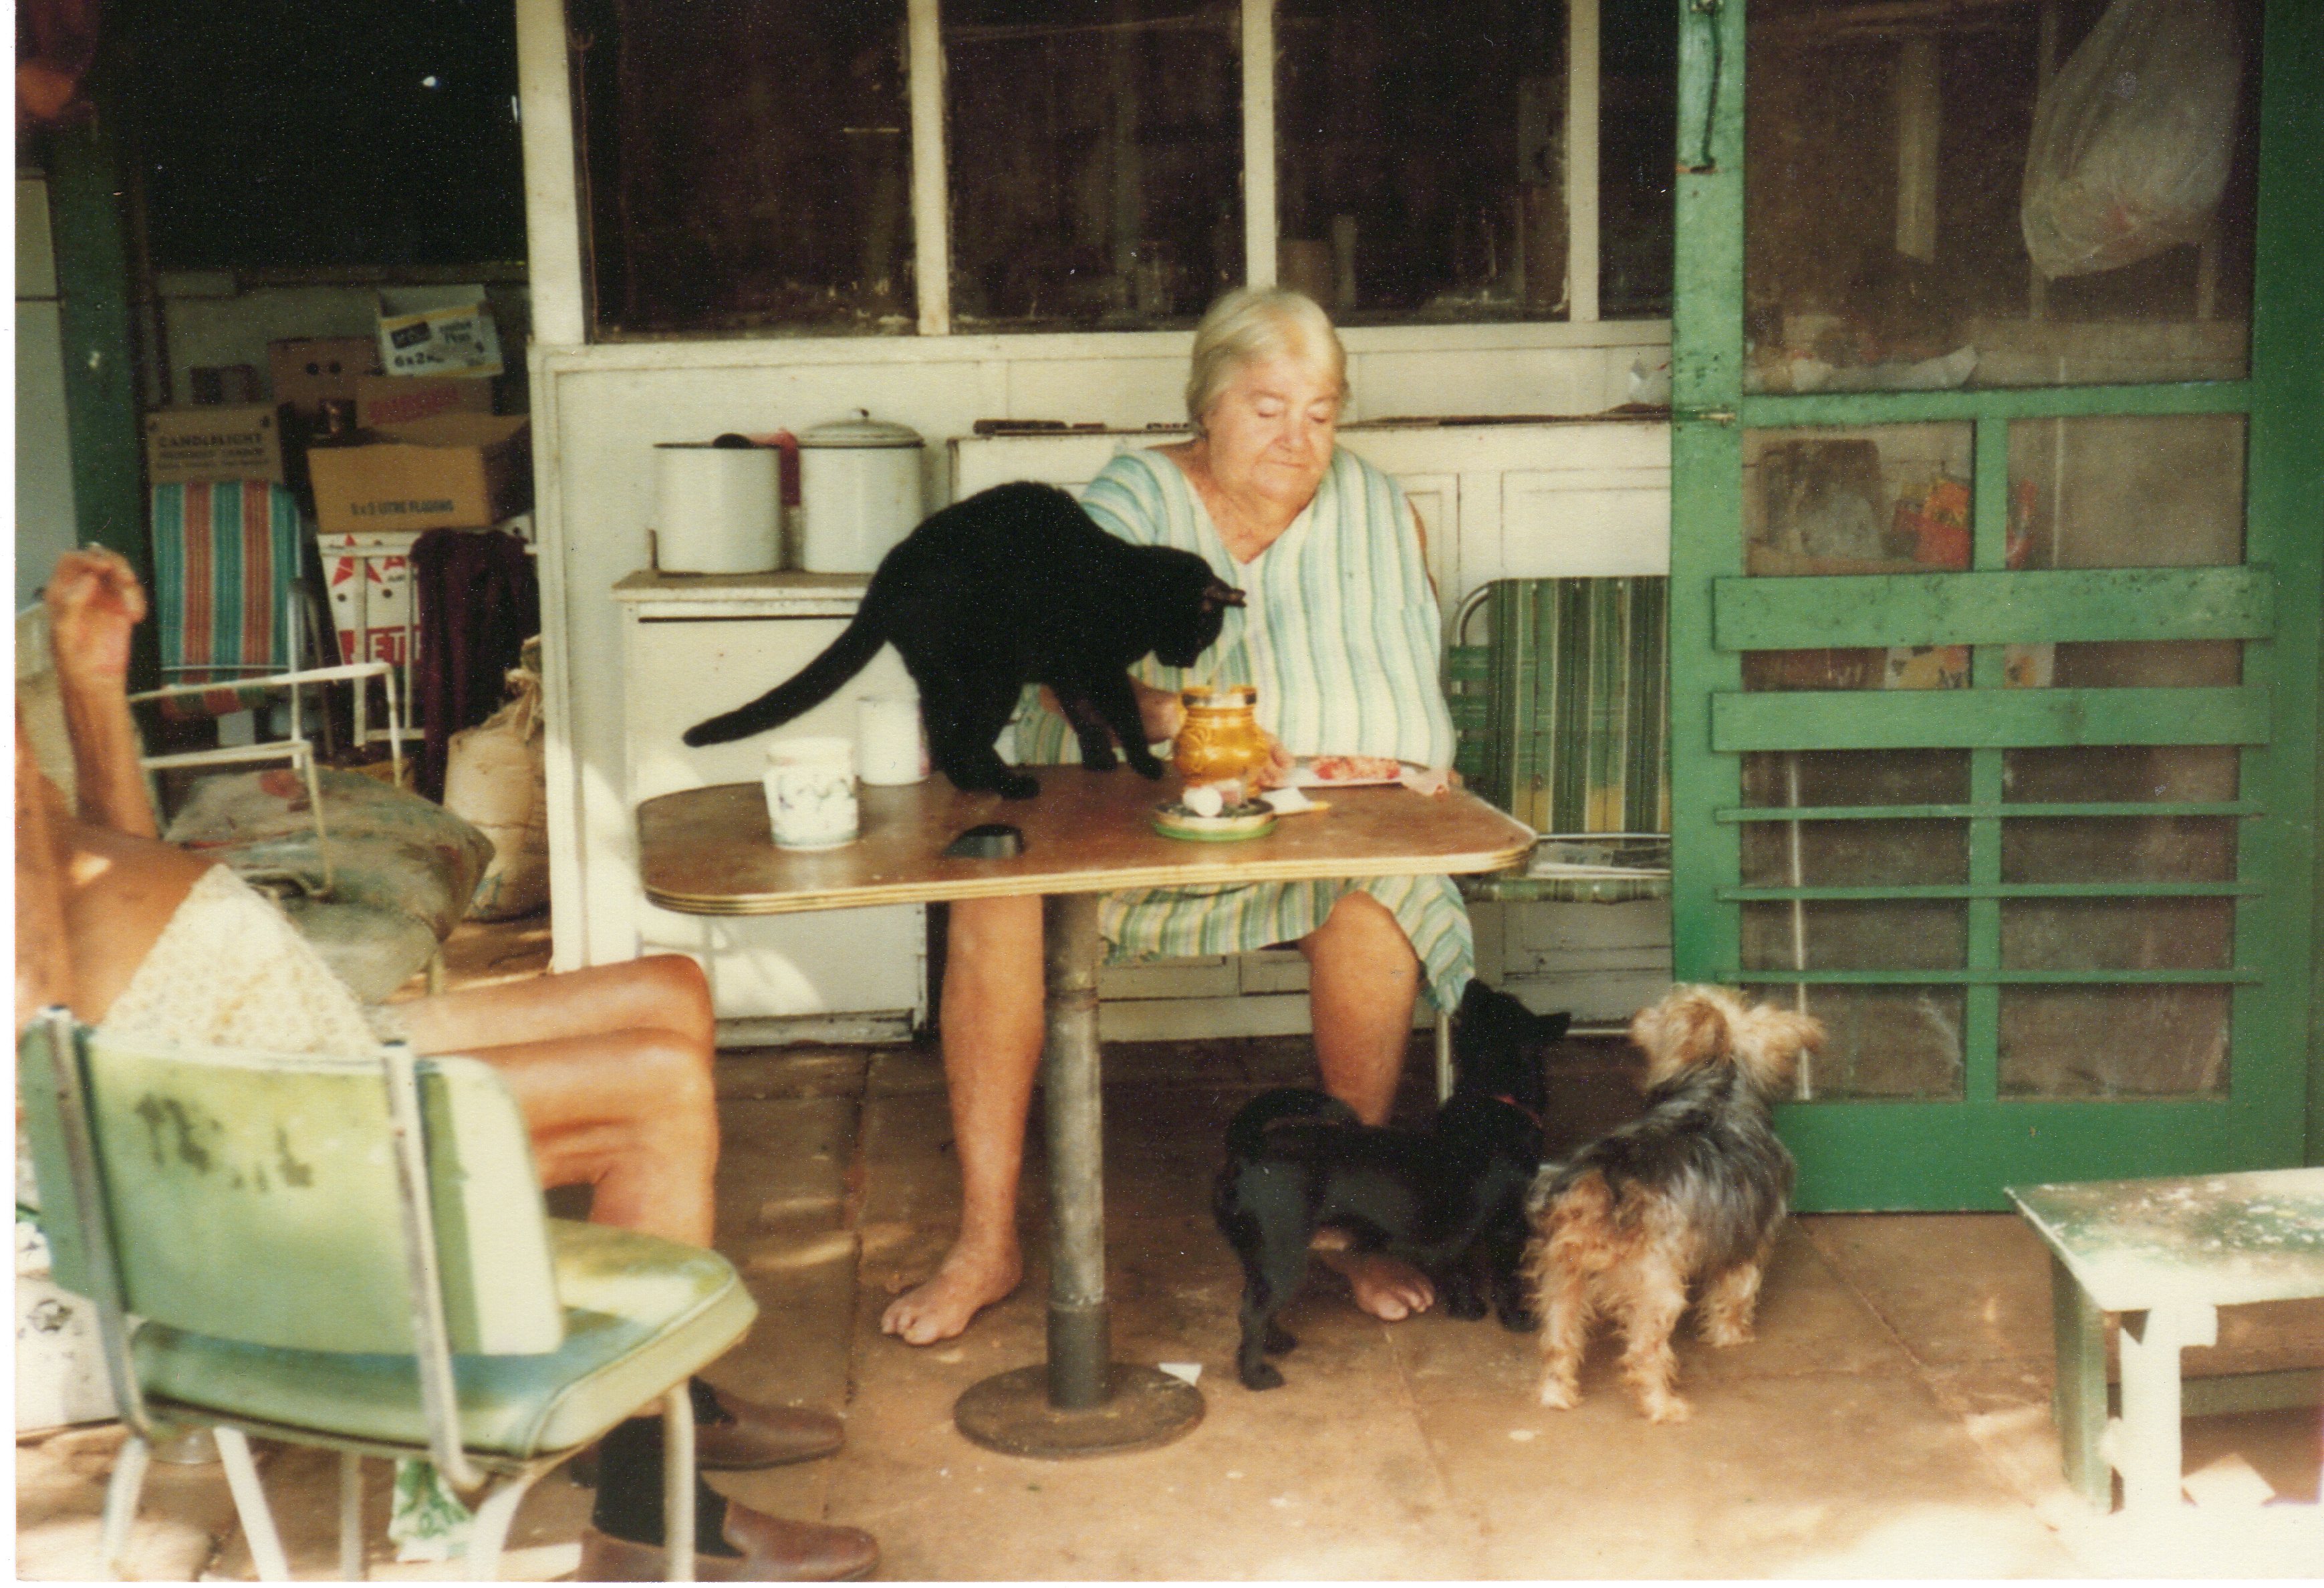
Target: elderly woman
(1341,636)
(608,1066)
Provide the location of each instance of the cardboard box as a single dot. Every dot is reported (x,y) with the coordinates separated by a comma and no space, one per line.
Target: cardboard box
(436,331)
(450,471)
(243,443)
(308,369)
(383,400)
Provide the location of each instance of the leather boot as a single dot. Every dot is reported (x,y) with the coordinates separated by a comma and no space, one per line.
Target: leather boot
(772,1550)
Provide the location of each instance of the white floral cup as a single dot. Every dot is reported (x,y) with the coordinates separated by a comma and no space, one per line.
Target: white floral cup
(811,792)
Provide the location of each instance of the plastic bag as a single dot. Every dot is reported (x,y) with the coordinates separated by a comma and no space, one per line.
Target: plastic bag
(2131,141)
(494,776)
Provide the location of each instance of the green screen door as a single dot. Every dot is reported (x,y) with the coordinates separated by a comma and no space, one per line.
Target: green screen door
(1994,578)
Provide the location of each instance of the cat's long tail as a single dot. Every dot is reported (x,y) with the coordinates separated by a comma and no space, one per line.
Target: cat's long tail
(805,690)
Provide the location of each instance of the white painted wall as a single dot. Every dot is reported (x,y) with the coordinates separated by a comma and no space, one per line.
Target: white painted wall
(45,523)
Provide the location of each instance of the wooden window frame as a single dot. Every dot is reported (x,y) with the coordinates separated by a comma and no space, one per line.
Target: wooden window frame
(561,312)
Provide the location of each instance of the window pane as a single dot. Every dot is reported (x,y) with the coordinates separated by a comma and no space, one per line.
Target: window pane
(1419,157)
(1637,126)
(1095,158)
(2131,492)
(1887,1042)
(2115,1041)
(1915,217)
(747,167)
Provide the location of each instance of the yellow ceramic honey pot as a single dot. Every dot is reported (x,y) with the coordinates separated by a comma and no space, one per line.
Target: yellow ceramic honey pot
(1221,736)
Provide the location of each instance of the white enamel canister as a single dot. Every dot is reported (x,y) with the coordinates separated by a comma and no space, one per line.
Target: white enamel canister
(717,507)
(859,493)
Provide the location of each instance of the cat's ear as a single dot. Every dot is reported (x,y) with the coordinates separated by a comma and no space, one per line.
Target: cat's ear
(1218,592)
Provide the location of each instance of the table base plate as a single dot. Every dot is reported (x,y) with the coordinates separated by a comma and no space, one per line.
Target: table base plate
(1011,1413)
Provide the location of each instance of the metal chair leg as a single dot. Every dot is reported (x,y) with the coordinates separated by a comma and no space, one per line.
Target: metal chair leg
(1444,1055)
(121,1497)
(488,1533)
(678,1481)
(351,1503)
(250,1505)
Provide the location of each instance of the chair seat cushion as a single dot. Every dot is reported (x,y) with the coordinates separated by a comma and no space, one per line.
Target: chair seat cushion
(402,868)
(640,1314)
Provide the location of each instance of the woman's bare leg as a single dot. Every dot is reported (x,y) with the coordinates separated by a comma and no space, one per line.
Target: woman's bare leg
(610,1067)
(992,1031)
(1363,980)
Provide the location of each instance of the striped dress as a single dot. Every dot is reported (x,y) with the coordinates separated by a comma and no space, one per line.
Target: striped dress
(1341,635)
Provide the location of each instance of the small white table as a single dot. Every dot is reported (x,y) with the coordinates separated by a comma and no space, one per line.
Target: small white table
(2166,1254)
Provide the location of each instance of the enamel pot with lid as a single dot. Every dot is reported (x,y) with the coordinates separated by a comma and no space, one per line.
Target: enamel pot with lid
(859,493)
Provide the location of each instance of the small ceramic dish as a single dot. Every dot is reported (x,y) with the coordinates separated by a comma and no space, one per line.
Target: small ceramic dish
(1251,820)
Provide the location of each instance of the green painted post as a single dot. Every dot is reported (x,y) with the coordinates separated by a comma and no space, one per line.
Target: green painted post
(1706,475)
(2286,486)
(93,278)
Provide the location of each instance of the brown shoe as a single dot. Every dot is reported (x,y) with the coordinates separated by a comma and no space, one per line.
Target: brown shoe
(772,1551)
(742,1435)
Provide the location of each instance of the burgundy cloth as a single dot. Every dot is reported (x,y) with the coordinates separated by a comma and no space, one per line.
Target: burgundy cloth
(479,602)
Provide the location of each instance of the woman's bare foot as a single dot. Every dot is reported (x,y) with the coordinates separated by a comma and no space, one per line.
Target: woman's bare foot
(1389,1290)
(969,1280)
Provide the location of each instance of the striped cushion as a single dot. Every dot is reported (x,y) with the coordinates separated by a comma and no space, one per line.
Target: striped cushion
(1564,718)
(226,571)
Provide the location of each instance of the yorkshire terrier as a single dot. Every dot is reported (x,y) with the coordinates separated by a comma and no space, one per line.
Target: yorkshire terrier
(1692,1190)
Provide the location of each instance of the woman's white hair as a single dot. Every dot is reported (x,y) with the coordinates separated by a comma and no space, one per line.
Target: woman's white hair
(1252,324)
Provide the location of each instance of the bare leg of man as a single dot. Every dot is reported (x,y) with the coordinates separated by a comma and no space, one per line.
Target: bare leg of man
(610,1067)
(992,1032)
(1363,979)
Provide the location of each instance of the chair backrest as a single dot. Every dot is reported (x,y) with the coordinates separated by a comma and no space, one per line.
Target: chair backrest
(1563,713)
(227,567)
(254,1196)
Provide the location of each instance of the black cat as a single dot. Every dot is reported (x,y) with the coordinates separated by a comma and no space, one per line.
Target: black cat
(1014,586)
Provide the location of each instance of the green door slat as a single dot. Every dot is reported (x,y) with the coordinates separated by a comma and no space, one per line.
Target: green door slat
(1985,718)
(2027,812)
(2006,890)
(1893,407)
(1866,1155)
(1987,976)
(1994,608)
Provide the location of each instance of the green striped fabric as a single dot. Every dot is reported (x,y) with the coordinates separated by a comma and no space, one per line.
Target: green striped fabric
(1564,718)
(225,569)
(1341,636)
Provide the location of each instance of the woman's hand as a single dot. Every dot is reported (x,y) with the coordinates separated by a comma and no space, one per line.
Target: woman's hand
(1159,710)
(94,601)
(1277,772)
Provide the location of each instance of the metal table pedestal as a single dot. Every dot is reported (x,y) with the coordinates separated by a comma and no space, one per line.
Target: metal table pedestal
(1080,1402)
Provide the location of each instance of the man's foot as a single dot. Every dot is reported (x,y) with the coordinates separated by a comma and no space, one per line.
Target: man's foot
(1389,1290)
(967,1281)
(763,1549)
(732,1435)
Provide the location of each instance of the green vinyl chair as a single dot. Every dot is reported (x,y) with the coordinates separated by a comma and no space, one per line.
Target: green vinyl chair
(351,1253)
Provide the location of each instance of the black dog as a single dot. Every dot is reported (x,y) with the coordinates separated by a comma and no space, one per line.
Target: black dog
(1439,1198)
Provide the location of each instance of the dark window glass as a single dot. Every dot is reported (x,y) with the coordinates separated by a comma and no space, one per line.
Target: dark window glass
(1096,155)
(1420,158)
(747,166)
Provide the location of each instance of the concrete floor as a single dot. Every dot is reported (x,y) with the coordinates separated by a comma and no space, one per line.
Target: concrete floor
(1891,1421)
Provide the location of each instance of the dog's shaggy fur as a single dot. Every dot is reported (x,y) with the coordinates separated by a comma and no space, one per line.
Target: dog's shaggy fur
(1442,1199)
(1693,1191)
